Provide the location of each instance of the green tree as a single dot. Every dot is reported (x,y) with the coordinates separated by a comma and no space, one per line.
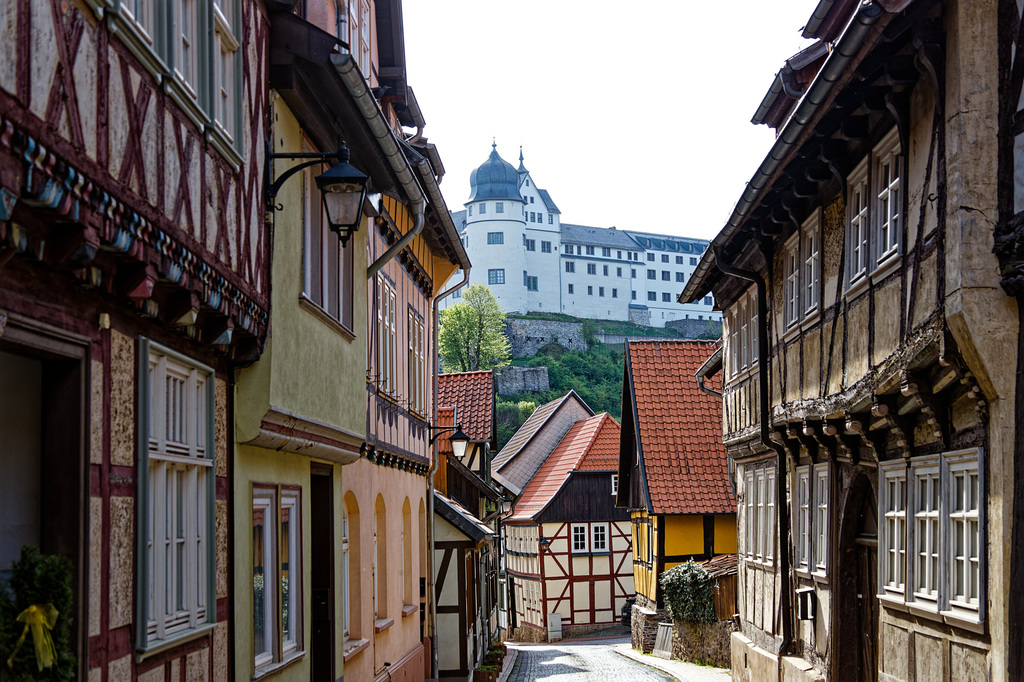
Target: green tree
(472,335)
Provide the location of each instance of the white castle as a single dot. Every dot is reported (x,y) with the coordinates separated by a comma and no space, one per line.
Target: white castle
(533,262)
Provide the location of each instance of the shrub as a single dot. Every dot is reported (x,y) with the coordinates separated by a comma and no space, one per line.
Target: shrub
(36,579)
(689,593)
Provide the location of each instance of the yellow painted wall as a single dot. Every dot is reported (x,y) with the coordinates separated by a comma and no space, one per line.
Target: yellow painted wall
(725,534)
(684,535)
(644,579)
(309,368)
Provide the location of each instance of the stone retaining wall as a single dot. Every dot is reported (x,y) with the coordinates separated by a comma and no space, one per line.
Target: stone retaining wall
(644,623)
(692,329)
(707,643)
(526,337)
(516,380)
(525,633)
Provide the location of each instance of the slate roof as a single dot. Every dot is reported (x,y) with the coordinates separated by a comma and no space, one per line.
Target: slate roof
(588,442)
(598,236)
(495,178)
(457,515)
(529,428)
(472,396)
(679,428)
(660,242)
(546,198)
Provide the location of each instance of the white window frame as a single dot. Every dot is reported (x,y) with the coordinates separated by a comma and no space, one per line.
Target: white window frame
(875,217)
(943,601)
(810,236)
(742,339)
(892,531)
(265,501)
(791,283)
(595,545)
(769,507)
(579,538)
(802,503)
(821,522)
(417,363)
(750,495)
(387,337)
(615,484)
(275,501)
(495,276)
(858,255)
(176,490)
(226,53)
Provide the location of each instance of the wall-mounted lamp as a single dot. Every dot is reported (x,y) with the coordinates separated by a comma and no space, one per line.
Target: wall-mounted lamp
(458,439)
(505,504)
(343,187)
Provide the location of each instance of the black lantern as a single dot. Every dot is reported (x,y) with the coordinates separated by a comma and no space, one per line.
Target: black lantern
(343,187)
(458,439)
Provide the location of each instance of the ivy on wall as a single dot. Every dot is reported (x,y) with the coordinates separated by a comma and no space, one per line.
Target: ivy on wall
(689,593)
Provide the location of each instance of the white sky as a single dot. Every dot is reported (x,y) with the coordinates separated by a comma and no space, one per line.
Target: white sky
(633,114)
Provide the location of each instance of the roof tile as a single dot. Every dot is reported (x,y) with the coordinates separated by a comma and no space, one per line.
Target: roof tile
(472,396)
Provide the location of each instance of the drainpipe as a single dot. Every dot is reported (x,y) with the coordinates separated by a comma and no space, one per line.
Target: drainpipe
(781,508)
(709,367)
(430,480)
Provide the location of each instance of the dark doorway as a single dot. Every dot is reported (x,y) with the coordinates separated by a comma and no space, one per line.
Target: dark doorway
(855,610)
(321,557)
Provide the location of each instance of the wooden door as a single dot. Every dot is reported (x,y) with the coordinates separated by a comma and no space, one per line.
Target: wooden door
(321,557)
(867,581)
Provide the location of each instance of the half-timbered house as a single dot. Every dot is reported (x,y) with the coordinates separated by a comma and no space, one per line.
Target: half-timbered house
(134,278)
(568,552)
(868,398)
(673,471)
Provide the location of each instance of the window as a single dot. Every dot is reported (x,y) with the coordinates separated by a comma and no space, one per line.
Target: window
(759,508)
(874,205)
(590,250)
(417,364)
(615,293)
(821,523)
(225,51)
(801,264)
(652,274)
(570,266)
(533,217)
(186,46)
(551,219)
(590,291)
(679,260)
(499,207)
(632,295)
(571,289)
(742,334)
(531,200)
(599,537)
(693,261)
(606,253)
(618,254)
(792,290)
(666,297)
(664,258)
(811,253)
(591,269)
(652,296)
(387,337)
(531,283)
(569,249)
(276,561)
(600,291)
(327,264)
(176,528)
(650,257)
(545,247)
(495,237)
(680,276)
(531,244)
(666,276)
(618,272)
(483,208)
(709,300)
(615,484)
(470,211)
(579,538)
(632,273)
(496,276)
(803,518)
(932,538)
(605,270)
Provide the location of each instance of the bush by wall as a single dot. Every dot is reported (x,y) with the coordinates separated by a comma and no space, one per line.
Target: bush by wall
(689,593)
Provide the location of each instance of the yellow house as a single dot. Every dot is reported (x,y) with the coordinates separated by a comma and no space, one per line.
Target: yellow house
(673,470)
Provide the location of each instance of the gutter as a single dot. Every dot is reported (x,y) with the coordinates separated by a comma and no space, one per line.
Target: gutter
(430,479)
(846,48)
(781,508)
(710,366)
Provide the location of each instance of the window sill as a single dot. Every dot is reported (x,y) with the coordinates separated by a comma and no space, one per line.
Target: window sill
(161,645)
(224,146)
(269,669)
(353,647)
(382,624)
(180,96)
(964,619)
(856,287)
(820,576)
(409,609)
(316,311)
(886,267)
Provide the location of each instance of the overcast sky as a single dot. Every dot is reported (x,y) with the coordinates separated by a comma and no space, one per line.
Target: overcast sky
(632,114)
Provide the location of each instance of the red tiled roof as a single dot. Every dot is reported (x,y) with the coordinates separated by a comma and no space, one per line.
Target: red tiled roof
(472,395)
(603,454)
(598,434)
(679,428)
(445,417)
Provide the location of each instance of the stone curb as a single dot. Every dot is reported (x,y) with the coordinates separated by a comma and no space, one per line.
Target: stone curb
(509,663)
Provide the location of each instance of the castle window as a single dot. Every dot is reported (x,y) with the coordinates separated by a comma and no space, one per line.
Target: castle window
(570,266)
(496,276)
(483,208)
(499,207)
(495,237)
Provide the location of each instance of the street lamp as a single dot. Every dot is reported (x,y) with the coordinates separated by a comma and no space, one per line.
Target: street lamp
(343,187)
(458,439)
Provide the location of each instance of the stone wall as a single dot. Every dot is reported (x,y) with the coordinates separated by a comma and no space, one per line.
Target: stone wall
(692,329)
(526,633)
(526,337)
(644,623)
(707,643)
(640,316)
(516,380)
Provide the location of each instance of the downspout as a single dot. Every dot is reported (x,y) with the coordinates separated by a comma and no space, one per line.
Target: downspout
(781,508)
(430,479)
(707,368)
(417,227)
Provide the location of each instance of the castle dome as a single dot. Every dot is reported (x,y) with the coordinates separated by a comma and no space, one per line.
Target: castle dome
(495,178)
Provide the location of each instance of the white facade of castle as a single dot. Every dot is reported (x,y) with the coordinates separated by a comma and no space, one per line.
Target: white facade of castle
(533,262)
